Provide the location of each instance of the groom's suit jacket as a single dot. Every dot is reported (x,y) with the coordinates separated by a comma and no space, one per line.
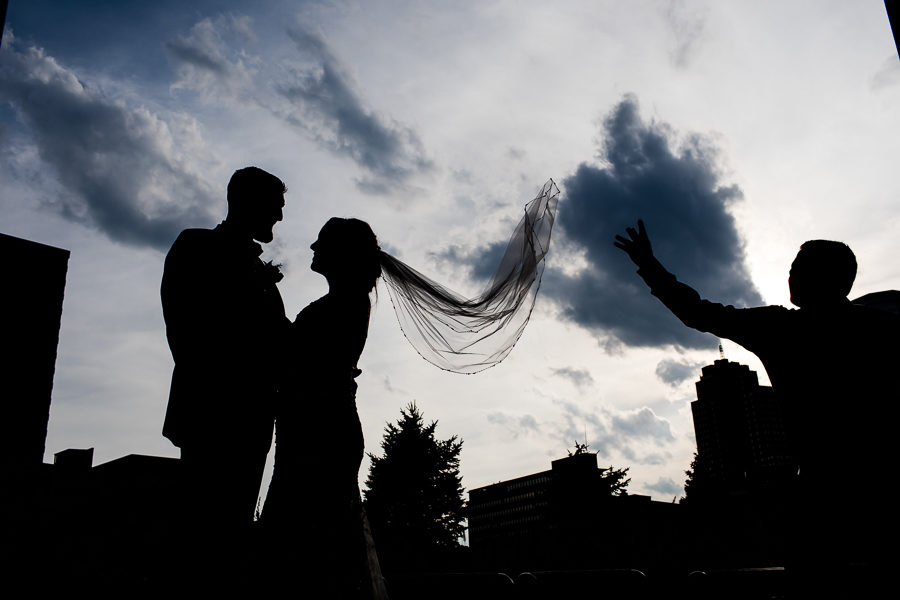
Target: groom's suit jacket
(225,324)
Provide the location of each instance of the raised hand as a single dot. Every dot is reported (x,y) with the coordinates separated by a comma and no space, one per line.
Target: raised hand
(638,246)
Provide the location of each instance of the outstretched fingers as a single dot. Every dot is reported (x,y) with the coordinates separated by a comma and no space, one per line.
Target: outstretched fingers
(638,246)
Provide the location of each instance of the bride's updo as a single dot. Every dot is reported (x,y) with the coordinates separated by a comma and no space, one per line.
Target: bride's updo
(347,254)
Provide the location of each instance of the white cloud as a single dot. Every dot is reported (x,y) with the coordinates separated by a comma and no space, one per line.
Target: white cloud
(208,59)
(311,91)
(888,75)
(665,486)
(121,168)
(675,372)
(516,425)
(580,377)
(686,24)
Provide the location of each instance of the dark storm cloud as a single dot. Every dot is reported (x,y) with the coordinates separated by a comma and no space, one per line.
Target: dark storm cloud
(674,372)
(676,190)
(481,263)
(122,170)
(328,105)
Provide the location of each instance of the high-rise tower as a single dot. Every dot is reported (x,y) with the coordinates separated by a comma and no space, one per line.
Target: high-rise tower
(739,428)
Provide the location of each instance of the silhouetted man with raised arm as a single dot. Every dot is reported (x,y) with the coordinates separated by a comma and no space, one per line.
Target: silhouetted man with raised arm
(225,322)
(833,366)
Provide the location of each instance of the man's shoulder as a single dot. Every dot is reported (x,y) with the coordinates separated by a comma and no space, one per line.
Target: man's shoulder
(876,317)
(192,248)
(192,241)
(195,236)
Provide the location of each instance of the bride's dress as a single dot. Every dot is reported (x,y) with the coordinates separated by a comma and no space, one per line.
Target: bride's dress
(313,507)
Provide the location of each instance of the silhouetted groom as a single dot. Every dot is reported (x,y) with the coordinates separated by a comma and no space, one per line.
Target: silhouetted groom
(224,322)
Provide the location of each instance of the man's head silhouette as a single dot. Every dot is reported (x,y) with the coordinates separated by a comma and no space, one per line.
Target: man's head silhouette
(822,274)
(255,200)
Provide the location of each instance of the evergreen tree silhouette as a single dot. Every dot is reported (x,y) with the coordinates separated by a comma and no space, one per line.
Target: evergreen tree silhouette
(616,481)
(697,484)
(414,494)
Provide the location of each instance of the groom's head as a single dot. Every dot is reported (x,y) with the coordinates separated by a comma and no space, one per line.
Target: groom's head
(255,200)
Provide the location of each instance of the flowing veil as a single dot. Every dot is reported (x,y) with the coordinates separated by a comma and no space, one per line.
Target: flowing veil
(469,335)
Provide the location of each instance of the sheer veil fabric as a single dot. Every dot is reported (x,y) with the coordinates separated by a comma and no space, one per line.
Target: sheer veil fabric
(468,335)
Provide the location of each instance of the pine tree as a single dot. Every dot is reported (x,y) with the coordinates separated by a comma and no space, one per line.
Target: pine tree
(697,484)
(414,494)
(616,481)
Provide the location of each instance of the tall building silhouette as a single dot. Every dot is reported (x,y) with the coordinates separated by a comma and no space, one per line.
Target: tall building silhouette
(739,428)
(33,280)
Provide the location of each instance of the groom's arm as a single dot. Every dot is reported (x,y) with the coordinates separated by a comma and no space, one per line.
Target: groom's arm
(189,293)
(739,325)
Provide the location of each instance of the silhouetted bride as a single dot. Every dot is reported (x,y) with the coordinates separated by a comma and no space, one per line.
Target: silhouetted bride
(313,510)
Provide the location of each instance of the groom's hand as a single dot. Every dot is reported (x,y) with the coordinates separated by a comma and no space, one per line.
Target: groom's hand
(637,245)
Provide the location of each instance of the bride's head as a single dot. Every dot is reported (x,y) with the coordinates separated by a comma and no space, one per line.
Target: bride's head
(347,254)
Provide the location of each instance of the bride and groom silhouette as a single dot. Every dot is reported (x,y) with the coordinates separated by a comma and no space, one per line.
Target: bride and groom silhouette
(242,366)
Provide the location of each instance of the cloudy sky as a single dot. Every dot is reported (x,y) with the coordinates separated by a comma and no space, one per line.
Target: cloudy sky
(736,130)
